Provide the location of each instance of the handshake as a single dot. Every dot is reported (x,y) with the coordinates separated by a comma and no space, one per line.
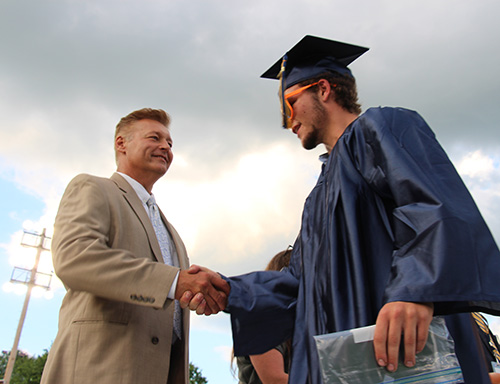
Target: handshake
(202,290)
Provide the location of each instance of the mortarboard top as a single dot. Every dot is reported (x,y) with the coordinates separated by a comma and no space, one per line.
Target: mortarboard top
(313,56)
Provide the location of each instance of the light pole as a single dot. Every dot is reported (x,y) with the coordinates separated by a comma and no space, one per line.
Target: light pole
(30,279)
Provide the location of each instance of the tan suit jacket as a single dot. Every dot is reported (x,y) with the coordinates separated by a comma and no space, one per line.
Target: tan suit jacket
(115,322)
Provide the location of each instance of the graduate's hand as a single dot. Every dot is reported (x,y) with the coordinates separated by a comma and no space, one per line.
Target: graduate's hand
(401,319)
(209,289)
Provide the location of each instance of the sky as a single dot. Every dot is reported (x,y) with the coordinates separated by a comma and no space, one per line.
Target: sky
(71,69)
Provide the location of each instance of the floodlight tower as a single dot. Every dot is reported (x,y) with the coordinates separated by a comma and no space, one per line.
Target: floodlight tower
(32,278)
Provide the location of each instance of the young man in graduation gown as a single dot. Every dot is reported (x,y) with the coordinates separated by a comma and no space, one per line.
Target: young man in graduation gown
(389,236)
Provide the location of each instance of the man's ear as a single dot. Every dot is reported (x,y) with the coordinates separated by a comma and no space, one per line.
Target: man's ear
(120,144)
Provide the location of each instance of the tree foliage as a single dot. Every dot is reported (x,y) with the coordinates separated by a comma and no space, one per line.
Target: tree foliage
(195,376)
(27,369)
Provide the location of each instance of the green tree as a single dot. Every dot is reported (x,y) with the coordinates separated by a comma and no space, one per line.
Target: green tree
(195,376)
(27,369)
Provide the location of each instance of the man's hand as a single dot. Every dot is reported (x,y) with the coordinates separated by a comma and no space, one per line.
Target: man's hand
(195,303)
(399,318)
(202,290)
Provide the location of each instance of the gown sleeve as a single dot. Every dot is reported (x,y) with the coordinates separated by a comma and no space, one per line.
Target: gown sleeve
(443,250)
(262,307)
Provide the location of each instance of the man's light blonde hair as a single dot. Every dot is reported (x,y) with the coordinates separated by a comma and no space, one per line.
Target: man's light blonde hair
(159,115)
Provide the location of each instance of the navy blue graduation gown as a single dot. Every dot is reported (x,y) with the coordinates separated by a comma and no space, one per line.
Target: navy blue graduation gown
(388,220)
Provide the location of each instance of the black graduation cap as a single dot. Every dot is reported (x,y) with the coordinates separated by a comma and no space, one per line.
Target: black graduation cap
(311,57)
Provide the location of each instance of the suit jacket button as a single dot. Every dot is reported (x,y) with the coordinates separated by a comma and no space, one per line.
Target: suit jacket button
(155,340)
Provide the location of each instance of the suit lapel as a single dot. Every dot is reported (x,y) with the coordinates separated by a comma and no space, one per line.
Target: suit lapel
(136,205)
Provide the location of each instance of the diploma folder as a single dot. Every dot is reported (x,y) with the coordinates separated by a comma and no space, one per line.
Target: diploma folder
(347,357)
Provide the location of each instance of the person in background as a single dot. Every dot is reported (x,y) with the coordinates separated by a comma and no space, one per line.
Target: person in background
(491,348)
(270,367)
(124,268)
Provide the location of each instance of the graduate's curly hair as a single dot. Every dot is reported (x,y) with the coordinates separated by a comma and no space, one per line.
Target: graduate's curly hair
(344,87)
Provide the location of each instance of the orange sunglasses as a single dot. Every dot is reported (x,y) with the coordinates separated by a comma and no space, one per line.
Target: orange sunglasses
(286,108)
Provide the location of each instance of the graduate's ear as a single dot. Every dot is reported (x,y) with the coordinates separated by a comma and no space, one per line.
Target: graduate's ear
(325,89)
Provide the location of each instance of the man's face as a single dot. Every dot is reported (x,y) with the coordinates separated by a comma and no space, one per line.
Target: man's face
(148,149)
(309,116)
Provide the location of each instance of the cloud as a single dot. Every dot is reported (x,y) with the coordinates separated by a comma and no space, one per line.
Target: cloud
(74,69)
(219,324)
(476,165)
(480,171)
(231,220)
(235,192)
(238,182)
(225,352)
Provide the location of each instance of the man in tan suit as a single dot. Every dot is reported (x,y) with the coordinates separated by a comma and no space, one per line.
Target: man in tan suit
(124,269)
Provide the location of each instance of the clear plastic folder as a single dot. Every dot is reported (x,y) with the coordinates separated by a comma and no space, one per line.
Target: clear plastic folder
(347,358)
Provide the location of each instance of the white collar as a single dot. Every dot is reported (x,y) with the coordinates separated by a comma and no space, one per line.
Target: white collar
(138,188)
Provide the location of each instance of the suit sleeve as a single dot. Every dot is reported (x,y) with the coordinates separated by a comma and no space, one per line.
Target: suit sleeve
(86,255)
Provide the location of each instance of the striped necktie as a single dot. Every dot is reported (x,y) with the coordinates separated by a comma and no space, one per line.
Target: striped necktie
(168,253)
(483,326)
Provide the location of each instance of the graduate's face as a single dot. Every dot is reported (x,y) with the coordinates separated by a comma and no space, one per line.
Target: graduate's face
(309,117)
